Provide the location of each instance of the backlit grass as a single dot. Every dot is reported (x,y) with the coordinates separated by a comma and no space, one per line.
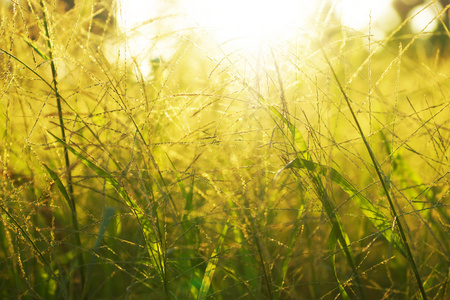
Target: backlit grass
(316,170)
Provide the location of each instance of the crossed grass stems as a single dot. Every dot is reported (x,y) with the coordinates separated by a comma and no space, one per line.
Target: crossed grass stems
(154,233)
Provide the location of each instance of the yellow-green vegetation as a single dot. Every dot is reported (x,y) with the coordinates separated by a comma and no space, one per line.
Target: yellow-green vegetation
(316,170)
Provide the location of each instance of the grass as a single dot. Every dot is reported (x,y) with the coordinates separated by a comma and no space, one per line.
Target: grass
(318,170)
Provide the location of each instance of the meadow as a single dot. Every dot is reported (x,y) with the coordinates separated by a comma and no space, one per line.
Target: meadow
(315,170)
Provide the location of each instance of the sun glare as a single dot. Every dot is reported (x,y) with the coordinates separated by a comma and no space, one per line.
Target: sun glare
(246,25)
(242,25)
(251,22)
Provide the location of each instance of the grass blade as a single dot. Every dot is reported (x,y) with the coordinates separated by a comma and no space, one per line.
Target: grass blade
(152,240)
(376,217)
(409,255)
(336,223)
(61,187)
(211,267)
(74,220)
(35,48)
(299,145)
(332,243)
(107,217)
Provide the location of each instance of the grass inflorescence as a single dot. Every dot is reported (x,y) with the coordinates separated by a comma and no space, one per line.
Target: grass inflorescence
(316,170)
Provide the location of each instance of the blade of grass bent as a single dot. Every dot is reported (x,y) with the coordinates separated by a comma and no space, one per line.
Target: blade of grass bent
(152,241)
(338,229)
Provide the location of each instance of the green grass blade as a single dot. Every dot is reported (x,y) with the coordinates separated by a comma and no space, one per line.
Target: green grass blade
(332,243)
(74,219)
(212,264)
(336,223)
(376,217)
(61,187)
(107,217)
(36,49)
(341,234)
(152,240)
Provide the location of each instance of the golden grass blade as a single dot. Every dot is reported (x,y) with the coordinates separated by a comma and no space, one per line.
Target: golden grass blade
(330,209)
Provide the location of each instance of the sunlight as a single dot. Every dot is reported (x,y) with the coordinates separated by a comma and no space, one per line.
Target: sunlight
(240,25)
(248,23)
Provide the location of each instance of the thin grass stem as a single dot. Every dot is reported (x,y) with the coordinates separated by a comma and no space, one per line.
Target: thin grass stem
(68,172)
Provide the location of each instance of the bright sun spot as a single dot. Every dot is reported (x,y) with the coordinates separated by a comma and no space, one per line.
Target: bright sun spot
(245,24)
(251,22)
